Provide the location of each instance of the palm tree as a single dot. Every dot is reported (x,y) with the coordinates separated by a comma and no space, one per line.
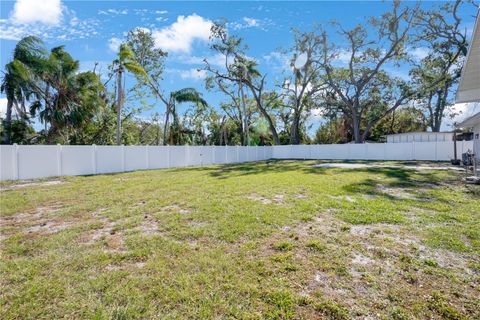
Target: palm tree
(19,78)
(68,98)
(179,96)
(125,62)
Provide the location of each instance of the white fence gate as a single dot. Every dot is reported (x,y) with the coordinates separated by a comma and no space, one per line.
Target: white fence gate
(41,161)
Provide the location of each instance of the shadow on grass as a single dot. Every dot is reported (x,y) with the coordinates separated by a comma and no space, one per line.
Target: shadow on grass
(405,178)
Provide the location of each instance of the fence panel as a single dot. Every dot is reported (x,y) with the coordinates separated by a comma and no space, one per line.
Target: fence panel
(399,151)
(425,150)
(8,161)
(135,158)
(221,154)
(375,151)
(242,154)
(178,156)
(28,162)
(231,154)
(37,162)
(77,160)
(158,157)
(110,159)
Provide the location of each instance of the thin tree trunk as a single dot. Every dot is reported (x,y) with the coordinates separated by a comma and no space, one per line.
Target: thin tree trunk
(119,103)
(244,120)
(8,122)
(165,126)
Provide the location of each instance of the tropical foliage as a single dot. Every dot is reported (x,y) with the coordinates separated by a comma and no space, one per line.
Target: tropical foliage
(331,92)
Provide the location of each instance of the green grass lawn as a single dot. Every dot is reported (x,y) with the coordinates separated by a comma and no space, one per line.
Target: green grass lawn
(277,239)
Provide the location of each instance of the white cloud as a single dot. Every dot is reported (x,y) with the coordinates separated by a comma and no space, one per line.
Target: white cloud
(248,22)
(161,11)
(70,27)
(193,74)
(179,36)
(343,56)
(30,11)
(113,12)
(317,114)
(217,60)
(3,107)
(114,44)
(419,53)
(277,60)
(251,22)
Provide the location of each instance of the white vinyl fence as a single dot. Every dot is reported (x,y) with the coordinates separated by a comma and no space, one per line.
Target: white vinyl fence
(41,161)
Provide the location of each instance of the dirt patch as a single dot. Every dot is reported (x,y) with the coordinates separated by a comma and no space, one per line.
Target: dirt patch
(31,184)
(107,229)
(197,224)
(399,193)
(126,266)
(365,165)
(361,259)
(50,227)
(37,220)
(176,208)
(149,226)
(114,243)
(301,196)
(277,199)
(343,198)
(369,229)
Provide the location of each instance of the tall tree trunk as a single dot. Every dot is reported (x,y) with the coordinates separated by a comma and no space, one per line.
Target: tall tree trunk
(356,128)
(295,129)
(165,126)
(119,103)
(8,123)
(244,118)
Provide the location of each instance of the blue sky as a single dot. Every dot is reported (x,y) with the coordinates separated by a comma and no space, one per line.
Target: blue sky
(92,30)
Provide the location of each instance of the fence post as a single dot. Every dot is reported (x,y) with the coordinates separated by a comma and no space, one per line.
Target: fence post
(123,158)
(413,150)
(59,159)
(147,164)
(94,158)
(168,155)
(15,162)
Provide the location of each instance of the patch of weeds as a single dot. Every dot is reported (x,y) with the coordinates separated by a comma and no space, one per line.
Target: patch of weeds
(316,246)
(345,228)
(406,261)
(438,303)
(283,246)
(281,257)
(411,277)
(475,266)
(332,310)
(282,305)
(290,267)
(430,263)
(342,271)
(398,314)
